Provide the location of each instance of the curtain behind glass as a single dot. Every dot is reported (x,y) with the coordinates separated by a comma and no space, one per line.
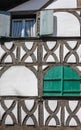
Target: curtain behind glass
(16,28)
(30,28)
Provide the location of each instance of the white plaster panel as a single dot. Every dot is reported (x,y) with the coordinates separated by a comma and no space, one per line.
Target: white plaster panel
(62,4)
(18,81)
(67,24)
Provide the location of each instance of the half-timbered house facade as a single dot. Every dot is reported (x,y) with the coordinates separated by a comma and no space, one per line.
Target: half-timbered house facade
(40,66)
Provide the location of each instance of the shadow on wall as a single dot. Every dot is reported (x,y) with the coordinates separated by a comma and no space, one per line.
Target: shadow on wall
(55,26)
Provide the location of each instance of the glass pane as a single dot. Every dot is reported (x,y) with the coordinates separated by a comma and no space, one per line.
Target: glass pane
(30,28)
(16,28)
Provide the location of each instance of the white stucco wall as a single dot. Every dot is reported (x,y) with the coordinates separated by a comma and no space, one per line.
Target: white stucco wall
(62,4)
(19,81)
(65,24)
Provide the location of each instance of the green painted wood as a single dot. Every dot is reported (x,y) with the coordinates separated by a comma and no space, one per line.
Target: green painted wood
(61,81)
(46,25)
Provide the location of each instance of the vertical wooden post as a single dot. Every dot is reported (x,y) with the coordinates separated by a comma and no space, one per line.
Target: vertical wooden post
(40,83)
(19,112)
(38,24)
(78,3)
(62,113)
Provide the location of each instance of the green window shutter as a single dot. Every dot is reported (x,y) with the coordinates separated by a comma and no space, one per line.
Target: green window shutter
(4,24)
(46,22)
(61,81)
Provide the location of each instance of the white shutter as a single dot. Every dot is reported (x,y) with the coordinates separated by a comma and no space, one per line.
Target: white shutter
(46,22)
(4,24)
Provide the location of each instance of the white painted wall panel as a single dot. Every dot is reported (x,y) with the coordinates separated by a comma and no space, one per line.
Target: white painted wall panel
(67,24)
(18,81)
(63,4)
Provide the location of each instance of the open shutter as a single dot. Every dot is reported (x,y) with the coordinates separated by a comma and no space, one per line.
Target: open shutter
(46,22)
(4,24)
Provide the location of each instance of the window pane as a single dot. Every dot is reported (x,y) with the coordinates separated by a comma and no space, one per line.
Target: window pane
(16,28)
(23,28)
(30,28)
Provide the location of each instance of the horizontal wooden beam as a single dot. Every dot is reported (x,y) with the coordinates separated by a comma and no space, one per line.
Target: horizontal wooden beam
(44,38)
(37,128)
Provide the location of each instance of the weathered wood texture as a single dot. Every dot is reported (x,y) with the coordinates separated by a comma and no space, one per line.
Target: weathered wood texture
(79,3)
(38,128)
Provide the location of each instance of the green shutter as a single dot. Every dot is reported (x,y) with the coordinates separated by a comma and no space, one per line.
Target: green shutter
(4,24)
(61,81)
(46,22)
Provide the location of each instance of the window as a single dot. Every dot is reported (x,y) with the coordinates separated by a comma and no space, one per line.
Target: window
(23,27)
(61,81)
